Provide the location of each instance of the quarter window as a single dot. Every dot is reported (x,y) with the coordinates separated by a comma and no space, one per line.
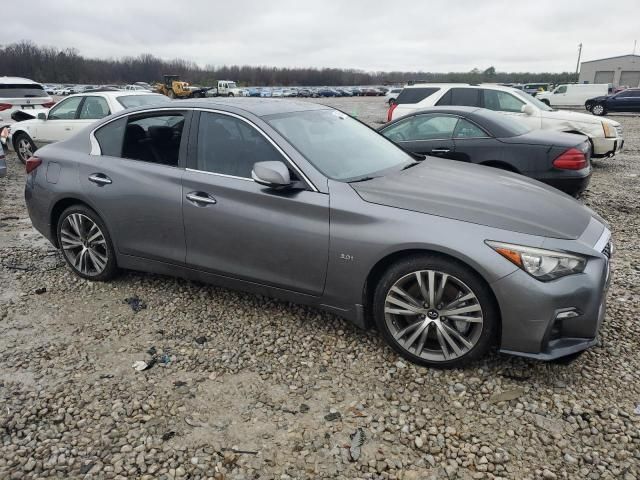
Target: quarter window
(230,146)
(65,110)
(502,101)
(466,129)
(94,108)
(110,137)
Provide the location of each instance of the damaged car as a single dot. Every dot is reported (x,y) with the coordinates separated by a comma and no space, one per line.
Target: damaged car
(304,203)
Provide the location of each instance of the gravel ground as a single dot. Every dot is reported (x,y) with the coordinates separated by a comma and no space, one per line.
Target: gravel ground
(248,387)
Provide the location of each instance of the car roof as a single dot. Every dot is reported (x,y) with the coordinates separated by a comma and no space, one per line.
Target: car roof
(112,93)
(257,106)
(17,80)
(491,86)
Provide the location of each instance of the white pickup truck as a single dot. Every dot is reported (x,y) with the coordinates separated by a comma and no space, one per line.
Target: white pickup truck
(226,88)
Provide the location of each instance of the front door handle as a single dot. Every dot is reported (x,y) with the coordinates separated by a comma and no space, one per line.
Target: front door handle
(200,198)
(100,179)
(68,129)
(440,150)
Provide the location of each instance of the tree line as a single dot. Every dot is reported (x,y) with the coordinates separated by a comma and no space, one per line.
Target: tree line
(54,65)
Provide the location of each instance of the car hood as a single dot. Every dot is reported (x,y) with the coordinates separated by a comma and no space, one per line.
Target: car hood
(600,99)
(481,195)
(575,117)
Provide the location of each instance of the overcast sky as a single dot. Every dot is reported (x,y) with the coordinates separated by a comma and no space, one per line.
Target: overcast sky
(434,35)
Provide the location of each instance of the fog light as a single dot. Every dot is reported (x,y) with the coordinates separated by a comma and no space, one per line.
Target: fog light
(569,313)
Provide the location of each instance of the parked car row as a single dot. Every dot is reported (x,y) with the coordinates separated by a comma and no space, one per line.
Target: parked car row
(303,202)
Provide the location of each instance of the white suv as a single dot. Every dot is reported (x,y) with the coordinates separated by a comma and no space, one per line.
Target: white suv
(21,94)
(605,135)
(70,116)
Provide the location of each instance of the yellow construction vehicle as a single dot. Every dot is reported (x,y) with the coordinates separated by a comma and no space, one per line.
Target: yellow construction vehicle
(173,87)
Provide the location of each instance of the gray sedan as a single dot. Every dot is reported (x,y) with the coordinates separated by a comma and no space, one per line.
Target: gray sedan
(302,202)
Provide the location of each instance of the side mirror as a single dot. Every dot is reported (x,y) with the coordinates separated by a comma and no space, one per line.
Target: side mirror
(527,109)
(271,174)
(42,116)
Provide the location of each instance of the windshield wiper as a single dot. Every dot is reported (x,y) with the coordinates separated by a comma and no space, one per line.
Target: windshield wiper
(412,164)
(363,179)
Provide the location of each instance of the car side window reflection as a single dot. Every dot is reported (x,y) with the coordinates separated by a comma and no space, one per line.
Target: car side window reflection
(230,146)
(466,129)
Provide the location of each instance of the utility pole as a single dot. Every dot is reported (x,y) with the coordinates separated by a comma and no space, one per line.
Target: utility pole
(579,54)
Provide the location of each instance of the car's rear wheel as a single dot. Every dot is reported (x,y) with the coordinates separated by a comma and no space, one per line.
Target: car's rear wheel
(598,109)
(434,311)
(24,146)
(171,94)
(86,244)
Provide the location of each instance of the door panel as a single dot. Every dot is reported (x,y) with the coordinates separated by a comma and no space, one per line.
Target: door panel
(142,206)
(255,233)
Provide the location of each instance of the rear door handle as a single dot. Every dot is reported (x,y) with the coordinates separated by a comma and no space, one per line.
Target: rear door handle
(100,179)
(200,198)
(68,128)
(440,150)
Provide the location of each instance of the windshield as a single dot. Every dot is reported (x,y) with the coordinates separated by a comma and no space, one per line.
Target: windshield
(534,100)
(21,90)
(338,146)
(131,101)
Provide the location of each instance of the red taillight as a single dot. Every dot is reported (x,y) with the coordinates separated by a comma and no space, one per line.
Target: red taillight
(5,106)
(48,104)
(572,159)
(32,164)
(392,107)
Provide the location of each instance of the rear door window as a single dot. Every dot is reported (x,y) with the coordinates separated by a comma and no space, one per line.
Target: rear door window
(466,129)
(422,128)
(466,97)
(415,95)
(154,138)
(501,101)
(94,108)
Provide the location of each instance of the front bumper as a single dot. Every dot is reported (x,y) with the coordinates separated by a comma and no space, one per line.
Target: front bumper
(607,147)
(549,320)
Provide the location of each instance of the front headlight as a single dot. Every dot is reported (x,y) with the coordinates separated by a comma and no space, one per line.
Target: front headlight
(609,130)
(544,265)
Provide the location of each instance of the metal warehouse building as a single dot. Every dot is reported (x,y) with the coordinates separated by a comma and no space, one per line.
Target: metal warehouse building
(619,71)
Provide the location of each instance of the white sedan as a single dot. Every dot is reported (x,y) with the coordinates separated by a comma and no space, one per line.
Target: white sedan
(70,116)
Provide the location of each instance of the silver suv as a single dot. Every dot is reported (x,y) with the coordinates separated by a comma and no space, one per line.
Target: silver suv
(21,94)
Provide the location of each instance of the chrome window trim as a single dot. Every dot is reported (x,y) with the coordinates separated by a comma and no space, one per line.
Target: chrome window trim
(95,146)
(194,170)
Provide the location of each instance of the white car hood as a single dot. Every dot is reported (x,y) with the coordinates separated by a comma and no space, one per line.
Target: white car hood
(567,120)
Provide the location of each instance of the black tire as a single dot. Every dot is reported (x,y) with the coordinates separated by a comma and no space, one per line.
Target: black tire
(599,110)
(22,145)
(230,94)
(171,94)
(484,333)
(111,268)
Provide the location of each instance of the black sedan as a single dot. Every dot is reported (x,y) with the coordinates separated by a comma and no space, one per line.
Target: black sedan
(624,101)
(476,135)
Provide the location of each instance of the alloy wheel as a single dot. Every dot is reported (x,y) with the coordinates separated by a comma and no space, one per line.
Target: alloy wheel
(433,315)
(597,110)
(84,245)
(24,148)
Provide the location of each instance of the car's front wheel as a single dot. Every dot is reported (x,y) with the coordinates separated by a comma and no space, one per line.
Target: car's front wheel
(85,243)
(434,311)
(24,146)
(599,110)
